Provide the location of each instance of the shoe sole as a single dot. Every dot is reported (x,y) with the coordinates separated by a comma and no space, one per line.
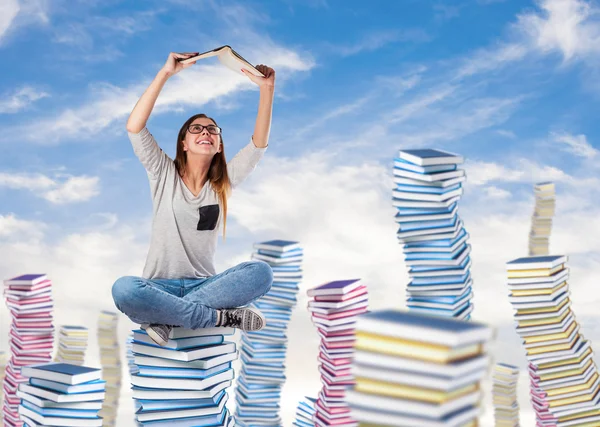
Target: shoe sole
(261,316)
(155,337)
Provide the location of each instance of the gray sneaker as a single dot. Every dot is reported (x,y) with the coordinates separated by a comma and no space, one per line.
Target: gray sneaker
(246,319)
(158,333)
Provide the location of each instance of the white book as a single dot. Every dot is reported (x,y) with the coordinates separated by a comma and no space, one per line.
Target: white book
(160,394)
(185,355)
(60,421)
(207,363)
(181,384)
(396,406)
(409,195)
(437,184)
(403,203)
(182,413)
(228,57)
(428,157)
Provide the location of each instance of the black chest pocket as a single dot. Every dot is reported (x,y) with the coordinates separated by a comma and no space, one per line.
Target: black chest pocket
(209,216)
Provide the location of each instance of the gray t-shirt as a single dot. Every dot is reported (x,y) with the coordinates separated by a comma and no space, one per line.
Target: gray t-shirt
(184,228)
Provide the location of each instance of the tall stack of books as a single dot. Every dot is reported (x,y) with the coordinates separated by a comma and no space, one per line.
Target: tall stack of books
(31,337)
(334,310)
(61,394)
(258,389)
(505,379)
(183,383)
(110,360)
(305,412)
(413,369)
(72,343)
(564,380)
(541,220)
(428,189)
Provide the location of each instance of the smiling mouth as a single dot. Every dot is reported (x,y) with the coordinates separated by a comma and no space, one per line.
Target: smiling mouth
(203,142)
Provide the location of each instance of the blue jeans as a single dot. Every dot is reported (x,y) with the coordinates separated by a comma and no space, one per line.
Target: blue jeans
(191,303)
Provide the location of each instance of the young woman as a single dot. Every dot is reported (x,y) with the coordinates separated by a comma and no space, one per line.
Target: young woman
(179,285)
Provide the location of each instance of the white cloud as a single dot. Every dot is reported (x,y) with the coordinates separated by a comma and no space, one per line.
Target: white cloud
(490,59)
(8,11)
(377,39)
(75,189)
(57,191)
(20,99)
(15,14)
(570,27)
(480,172)
(575,144)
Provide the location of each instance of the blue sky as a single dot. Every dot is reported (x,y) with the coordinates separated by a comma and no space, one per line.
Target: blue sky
(510,85)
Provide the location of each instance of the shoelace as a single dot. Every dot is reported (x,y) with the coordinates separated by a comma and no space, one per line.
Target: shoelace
(232,319)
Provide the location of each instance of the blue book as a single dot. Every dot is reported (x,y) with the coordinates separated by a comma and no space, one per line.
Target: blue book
(426,225)
(286,254)
(413,326)
(426,189)
(337,287)
(403,164)
(151,405)
(428,156)
(441,243)
(424,211)
(440,280)
(60,412)
(277,245)
(89,387)
(62,372)
(153,371)
(205,421)
(26,279)
(536,262)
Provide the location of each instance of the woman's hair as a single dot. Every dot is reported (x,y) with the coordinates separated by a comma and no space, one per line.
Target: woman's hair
(217,172)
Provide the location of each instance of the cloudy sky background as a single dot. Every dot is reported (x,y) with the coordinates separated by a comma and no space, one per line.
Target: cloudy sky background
(511,85)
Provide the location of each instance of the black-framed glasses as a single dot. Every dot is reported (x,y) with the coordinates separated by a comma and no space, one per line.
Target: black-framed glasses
(196,128)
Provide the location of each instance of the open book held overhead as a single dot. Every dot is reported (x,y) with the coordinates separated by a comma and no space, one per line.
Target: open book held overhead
(228,57)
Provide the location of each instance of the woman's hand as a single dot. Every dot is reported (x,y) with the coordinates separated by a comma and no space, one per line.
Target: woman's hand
(269,76)
(173,66)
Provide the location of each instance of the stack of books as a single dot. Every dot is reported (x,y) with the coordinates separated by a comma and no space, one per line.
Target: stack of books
(258,389)
(413,369)
(428,188)
(72,343)
(541,220)
(564,380)
(504,395)
(31,337)
(110,360)
(183,383)
(334,311)
(61,394)
(133,369)
(305,412)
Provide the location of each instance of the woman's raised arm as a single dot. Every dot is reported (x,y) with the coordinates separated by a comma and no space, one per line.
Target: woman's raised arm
(141,112)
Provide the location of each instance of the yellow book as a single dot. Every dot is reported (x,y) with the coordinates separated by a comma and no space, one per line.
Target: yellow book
(541,272)
(552,348)
(572,361)
(551,337)
(414,349)
(566,373)
(545,321)
(580,415)
(400,391)
(540,310)
(573,389)
(533,292)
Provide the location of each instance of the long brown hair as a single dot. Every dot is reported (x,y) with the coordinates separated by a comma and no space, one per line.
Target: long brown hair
(217,172)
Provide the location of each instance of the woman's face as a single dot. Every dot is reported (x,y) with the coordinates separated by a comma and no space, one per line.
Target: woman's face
(200,138)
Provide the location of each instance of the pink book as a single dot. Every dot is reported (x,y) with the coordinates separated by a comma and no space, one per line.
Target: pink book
(336,410)
(344,297)
(342,361)
(340,315)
